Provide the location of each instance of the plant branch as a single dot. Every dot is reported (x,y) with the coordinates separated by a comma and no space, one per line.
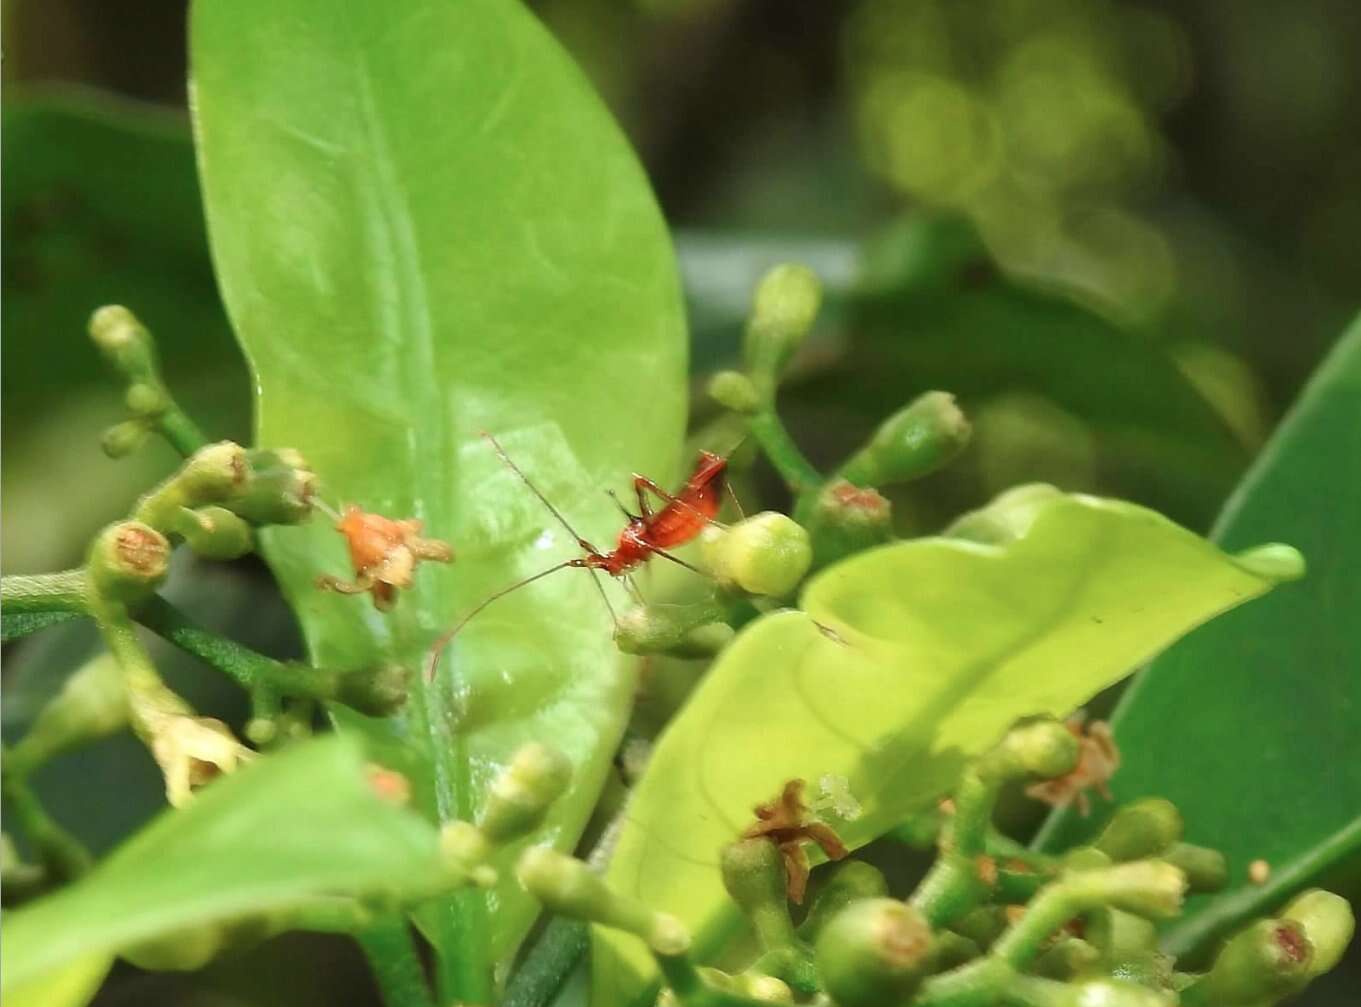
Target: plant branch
(770,433)
(390,948)
(48,592)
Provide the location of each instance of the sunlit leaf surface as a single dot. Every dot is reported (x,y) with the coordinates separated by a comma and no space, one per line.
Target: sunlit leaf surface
(903,662)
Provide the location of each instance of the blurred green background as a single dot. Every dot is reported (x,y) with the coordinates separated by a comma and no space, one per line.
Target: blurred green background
(1124,233)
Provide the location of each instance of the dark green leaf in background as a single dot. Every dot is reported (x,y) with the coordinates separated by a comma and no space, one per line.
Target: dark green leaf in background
(1250,725)
(425,225)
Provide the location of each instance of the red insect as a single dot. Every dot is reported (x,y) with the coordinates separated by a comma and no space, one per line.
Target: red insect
(647,534)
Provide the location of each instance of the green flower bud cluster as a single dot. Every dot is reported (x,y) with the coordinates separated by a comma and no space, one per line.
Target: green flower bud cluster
(130,350)
(1081,933)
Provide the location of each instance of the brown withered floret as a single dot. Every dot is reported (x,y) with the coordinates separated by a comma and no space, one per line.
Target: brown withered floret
(384,554)
(788,823)
(1097,761)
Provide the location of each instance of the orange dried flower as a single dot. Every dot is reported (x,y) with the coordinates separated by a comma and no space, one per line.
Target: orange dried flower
(787,822)
(1097,761)
(384,554)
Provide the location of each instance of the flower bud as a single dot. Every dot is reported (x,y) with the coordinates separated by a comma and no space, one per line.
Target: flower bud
(145,400)
(1066,958)
(911,443)
(124,341)
(521,794)
(764,989)
(128,560)
(849,881)
(767,554)
(280,488)
(1143,828)
(1044,748)
(734,390)
(568,886)
(672,630)
(465,848)
(1328,923)
(1261,964)
(377,691)
(122,439)
(1206,870)
(1117,993)
(754,874)
(214,472)
(843,519)
(214,532)
(92,704)
(874,952)
(1151,888)
(782,313)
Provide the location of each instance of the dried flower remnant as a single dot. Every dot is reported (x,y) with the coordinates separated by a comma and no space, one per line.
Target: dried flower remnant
(788,823)
(1098,759)
(384,554)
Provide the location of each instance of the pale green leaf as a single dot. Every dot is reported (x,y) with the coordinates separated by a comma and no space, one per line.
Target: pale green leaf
(905,661)
(273,836)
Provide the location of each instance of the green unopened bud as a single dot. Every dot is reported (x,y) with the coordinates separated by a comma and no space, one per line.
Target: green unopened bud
(568,886)
(377,691)
(128,560)
(465,849)
(876,951)
(1117,993)
(521,795)
(764,989)
(1268,960)
(190,949)
(92,704)
(214,472)
(1121,934)
(122,439)
(1152,888)
(1328,923)
(767,554)
(124,341)
(1066,958)
(734,390)
(782,313)
(1148,968)
(1085,858)
(755,876)
(1043,748)
(146,400)
(214,532)
(280,488)
(982,925)
(952,950)
(677,631)
(1143,828)
(843,519)
(913,442)
(849,881)
(1206,869)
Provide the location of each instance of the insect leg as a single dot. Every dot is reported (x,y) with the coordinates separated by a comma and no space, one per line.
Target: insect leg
(676,559)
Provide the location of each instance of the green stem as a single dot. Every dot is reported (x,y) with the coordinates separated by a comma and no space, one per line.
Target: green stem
(953,885)
(537,981)
(180,431)
(390,948)
(977,984)
(796,470)
(48,592)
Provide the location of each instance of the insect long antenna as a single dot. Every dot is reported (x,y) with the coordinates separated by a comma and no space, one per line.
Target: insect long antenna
(449,635)
(732,495)
(510,464)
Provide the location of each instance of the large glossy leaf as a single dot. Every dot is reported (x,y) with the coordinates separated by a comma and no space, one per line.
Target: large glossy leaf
(297,826)
(425,226)
(903,662)
(1250,724)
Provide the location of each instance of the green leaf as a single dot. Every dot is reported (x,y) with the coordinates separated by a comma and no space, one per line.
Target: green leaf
(426,225)
(274,836)
(905,661)
(1260,708)
(72,985)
